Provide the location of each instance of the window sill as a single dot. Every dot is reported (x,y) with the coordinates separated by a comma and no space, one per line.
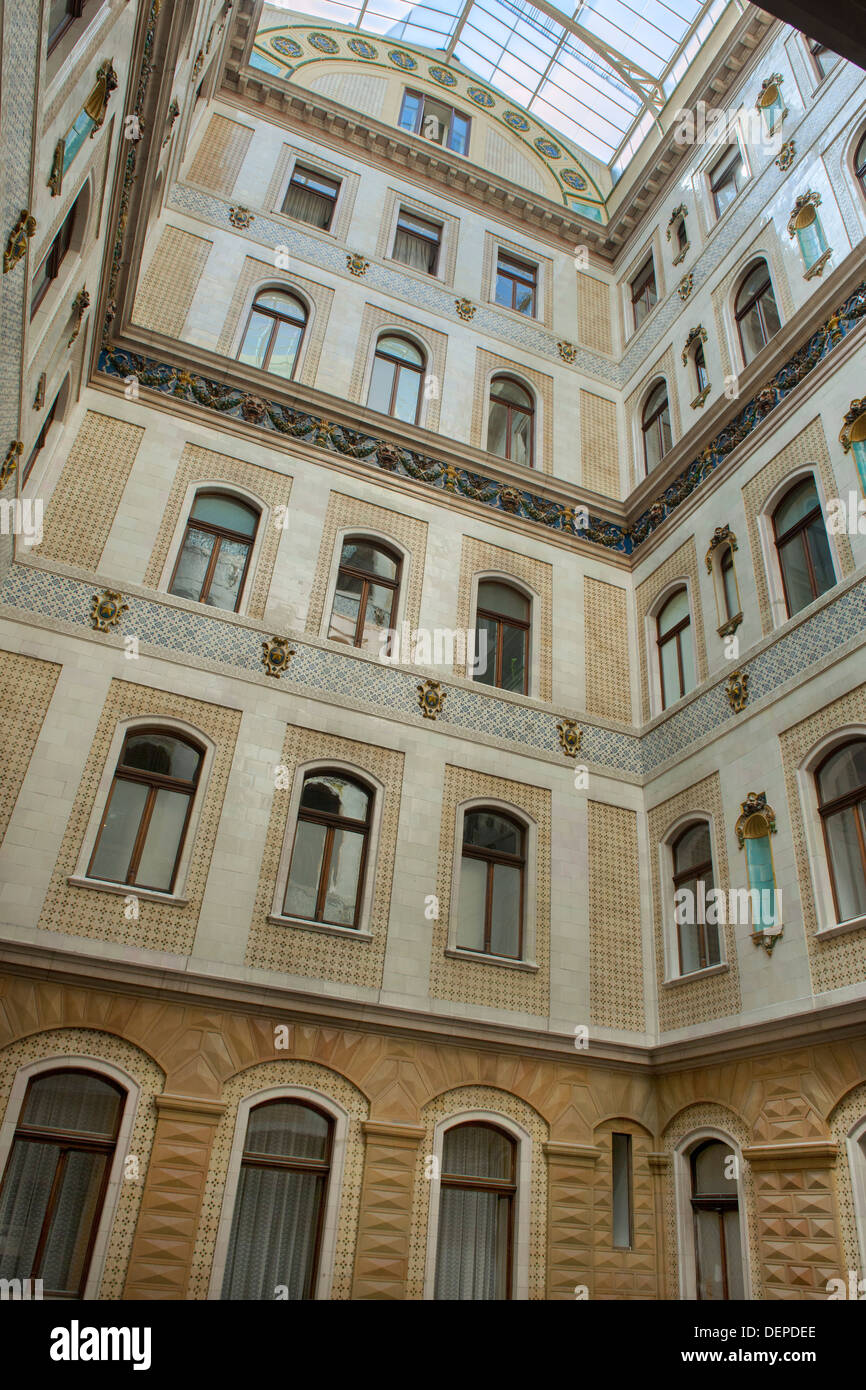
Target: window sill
(841,928)
(704,974)
(517,315)
(425,276)
(327,930)
(457,953)
(126,890)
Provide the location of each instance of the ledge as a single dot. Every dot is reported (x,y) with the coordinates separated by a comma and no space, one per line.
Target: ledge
(455,953)
(126,890)
(721,969)
(327,928)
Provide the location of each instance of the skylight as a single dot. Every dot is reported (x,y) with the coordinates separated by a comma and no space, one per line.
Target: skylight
(598,73)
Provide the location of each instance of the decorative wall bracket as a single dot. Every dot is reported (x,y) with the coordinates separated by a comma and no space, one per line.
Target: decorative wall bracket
(695,335)
(106,610)
(431,698)
(702,396)
(173,113)
(569,737)
(39,398)
(18,239)
(276,655)
(96,104)
(10,463)
(680,211)
(80,305)
(817,267)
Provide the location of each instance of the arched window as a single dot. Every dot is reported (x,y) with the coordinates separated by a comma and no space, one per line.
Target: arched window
(841,780)
(215,555)
(802,546)
(329,856)
(755,311)
(144,824)
(511,422)
(698,939)
(503,616)
(699,360)
(365,599)
(729,584)
(274,332)
(675,653)
(395,385)
(476,1213)
(54,1186)
(656,426)
(860,163)
(716,1213)
(492,874)
(279,1210)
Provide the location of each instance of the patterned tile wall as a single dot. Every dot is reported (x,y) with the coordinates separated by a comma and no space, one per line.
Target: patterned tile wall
(165,294)
(616,989)
(599,445)
(80,514)
(221,154)
(606,650)
(26,689)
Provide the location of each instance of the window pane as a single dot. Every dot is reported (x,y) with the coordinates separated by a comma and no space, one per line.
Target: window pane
(491,628)
(409,111)
(670,672)
(690,948)
(504,290)
(273,1240)
(497,427)
(23,1204)
(477,1151)
(752,331)
(503,600)
(676,608)
(846,861)
(513,658)
(381,384)
(692,848)
(798,585)
(336,796)
(163,840)
(285,351)
(795,506)
(289,1129)
(303,886)
(711,939)
(256,339)
(380,601)
(472,1246)
(733,1249)
(505,915)
(711,1178)
(730,587)
(759,862)
(844,771)
(75,1211)
(402,348)
(282,303)
(73,1102)
(415,251)
(459,139)
(192,567)
(344,614)
(228,573)
(170,757)
(408,391)
(819,549)
(344,877)
(521,438)
(771,313)
(117,838)
(226,512)
(486,830)
(473,890)
(708,1230)
(361,555)
(688,659)
(621,1184)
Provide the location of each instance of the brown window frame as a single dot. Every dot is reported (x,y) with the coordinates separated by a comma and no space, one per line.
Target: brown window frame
(726,564)
(74,10)
(709,1202)
(788,536)
(41,439)
(520,275)
(277,318)
(491,858)
(435,241)
(698,873)
(221,533)
(755,299)
(513,408)
(155,782)
(826,809)
(68,1141)
(644,290)
(699,361)
(322,197)
(673,635)
(401,363)
(332,823)
(501,1186)
(724,172)
(368,577)
(422,97)
(649,421)
(54,257)
(503,619)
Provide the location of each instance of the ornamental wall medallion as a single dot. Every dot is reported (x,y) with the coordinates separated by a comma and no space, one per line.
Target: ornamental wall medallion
(106,610)
(786,156)
(39,398)
(323,43)
(573,179)
(18,239)
(198,64)
(96,104)
(241,217)
(431,698)
(10,463)
(276,655)
(755,805)
(356,264)
(723,535)
(465,309)
(856,411)
(738,691)
(173,113)
(569,737)
(567,351)
(684,288)
(253,409)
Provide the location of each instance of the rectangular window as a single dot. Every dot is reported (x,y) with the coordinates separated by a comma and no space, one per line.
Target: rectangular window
(417,242)
(823,57)
(40,442)
(62,14)
(432,119)
(643,291)
(727,177)
(621,1196)
(312,197)
(49,268)
(516,284)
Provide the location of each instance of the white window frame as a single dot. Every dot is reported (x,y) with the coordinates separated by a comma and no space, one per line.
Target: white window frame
(328,1247)
(534,661)
(520,1246)
(666,879)
(371,533)
(530,888)
(242,494)
(651,636)
(819,867)
(688,1281)
(766,532)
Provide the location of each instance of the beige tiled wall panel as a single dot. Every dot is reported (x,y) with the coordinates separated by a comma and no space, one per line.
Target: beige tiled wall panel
(809,447)
(766,243)
(682,564)
(321,296)
(712,996)
(287,1072)
(100,915)
(501,157)
(305,951)
(599,445)
(593,313)
(360,91)
(493,244)
(345,203)
(81,511)
(204,465)
(616,991)
(450,226)
(606,647)
(26,688)
(346,511)
(485,364)
(373,322)
(165,295)
(221,154)
(477,557)
(838,961)
(483,982)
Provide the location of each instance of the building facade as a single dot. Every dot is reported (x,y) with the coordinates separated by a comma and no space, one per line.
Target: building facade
(434,805)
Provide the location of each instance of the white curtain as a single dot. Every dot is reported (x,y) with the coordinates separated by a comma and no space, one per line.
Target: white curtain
(274,1233)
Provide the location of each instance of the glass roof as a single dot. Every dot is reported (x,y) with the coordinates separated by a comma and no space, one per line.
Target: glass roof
(598,73)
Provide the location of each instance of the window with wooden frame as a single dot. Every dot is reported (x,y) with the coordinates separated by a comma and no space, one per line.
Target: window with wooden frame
(62,14)
(492,878)
(144,825)
(279,1213)
(395,383)
(40,441)
(511,421)
(274,333)
(433,120)
(311,197)
(699,362)
(841,783)
(477,1196)
(643,291)
(417,242)
(516,284)
(329,854)
(57,1173)
(215,555)
(697,941)
(716,1218)
(503,615)
(755,311)
(621,1191)
(365,599)
(727,177)
(49,267)
(675,651)
(656,426)
(805,562)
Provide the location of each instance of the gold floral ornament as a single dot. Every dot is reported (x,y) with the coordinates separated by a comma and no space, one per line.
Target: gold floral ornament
(721,535)
(18,239)
(738,690)
(80,305)
(276,655)
(696,335)
(241,218)
(106,610)
(431,698)
(570,737)
(10,463)
(465,309)
(96,104)
(684,288)
(39,398)
(356,263)
(853,429)
(55,178)
(568,352)
(786,156)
